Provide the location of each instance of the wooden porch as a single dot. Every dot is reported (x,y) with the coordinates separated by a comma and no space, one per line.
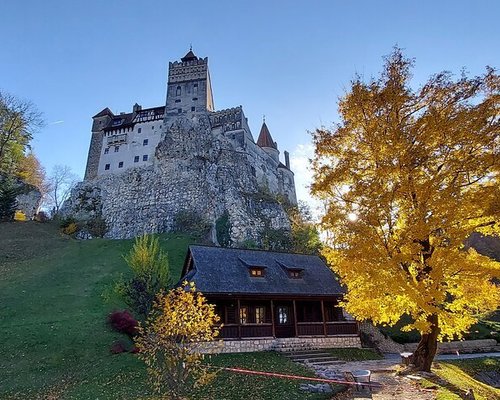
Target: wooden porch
(280,318)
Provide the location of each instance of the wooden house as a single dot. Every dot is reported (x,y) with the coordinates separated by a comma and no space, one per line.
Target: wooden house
(265,294)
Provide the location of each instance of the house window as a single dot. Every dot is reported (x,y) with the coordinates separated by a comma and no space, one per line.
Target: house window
(120,164)
(139,130)
(257,272)
(243,315)
(295,273)
(260,315)
(145,142)
(117,148)
(106,150)
(178,91)
(145,157)
(282,315)
(136,159)
(106,167)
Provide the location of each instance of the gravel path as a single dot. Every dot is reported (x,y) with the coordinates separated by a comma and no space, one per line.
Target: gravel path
(383,372)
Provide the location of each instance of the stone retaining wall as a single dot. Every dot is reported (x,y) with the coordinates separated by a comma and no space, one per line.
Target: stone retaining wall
(464,346)
(284,344)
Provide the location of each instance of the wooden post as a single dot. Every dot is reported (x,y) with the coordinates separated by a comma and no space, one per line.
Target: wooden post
(295,318)
(323,316)
(239,320)
(272,319)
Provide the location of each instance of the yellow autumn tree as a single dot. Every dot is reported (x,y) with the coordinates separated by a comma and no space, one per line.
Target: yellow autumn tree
(174,339)
(406,176)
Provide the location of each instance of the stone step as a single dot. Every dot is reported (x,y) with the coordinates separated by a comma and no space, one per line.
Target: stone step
(307,355)
(314,360)
(328,362)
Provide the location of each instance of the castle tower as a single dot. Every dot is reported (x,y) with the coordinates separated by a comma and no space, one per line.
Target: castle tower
(100,121)
(265,141)
(189,88)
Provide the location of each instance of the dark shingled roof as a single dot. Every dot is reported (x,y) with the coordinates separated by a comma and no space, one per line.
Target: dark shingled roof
(189,56)
(265,139)
(226,271)
(104,112)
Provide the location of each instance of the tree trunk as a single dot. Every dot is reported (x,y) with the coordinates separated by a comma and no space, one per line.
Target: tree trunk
(427,347)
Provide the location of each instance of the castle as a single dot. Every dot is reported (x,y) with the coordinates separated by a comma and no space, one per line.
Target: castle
(146,166)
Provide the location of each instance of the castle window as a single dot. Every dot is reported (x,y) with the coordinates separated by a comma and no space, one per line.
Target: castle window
(178,91)
(106,150)
(120,164)
(193,108)
(106,167)
(145,157)
(195,98)
(195,88)
(179,110)
(252,168)
(145,142)
(139,130)
(153,127)
(117,149)
(178,100)
(136,159)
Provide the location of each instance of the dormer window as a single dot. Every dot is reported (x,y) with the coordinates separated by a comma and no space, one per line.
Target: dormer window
(295,273)
(256,272)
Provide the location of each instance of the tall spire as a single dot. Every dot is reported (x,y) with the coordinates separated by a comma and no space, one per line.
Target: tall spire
(265,139)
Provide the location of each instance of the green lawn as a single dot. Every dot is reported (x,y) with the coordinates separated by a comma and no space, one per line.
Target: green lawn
(55,341)
(454,378)
(52,314)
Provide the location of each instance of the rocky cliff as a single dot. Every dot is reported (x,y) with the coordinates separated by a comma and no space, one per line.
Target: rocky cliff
(195,170)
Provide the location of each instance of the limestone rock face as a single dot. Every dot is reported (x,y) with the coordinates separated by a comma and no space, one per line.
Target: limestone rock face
(195,170)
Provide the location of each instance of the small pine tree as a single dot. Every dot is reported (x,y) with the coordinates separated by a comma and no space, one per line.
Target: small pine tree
(151,274)
(8,202)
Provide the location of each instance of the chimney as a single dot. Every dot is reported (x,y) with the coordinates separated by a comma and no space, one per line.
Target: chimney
(287,159)
(136,108)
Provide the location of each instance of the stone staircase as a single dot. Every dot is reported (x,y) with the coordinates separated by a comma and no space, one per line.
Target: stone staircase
(315,358)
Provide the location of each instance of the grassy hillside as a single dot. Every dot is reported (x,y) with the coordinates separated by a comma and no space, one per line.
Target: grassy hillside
(52,315)
(55,341)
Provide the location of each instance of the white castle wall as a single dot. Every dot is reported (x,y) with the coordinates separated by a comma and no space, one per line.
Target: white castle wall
(132,148)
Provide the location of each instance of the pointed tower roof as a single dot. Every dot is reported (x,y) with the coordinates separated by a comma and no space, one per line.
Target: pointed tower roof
(189,56)
(104,112)
(265,139)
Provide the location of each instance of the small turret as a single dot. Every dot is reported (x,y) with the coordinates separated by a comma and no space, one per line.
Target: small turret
(265,141)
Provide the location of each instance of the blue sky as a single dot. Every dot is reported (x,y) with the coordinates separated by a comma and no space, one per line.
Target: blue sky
(289,60)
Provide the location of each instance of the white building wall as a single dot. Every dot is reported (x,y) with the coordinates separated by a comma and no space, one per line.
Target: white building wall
(133,147)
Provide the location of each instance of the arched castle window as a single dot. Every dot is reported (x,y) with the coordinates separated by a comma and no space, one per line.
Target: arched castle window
(195,88)
(178,91)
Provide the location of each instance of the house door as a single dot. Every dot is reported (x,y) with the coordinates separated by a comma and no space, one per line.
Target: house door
(283,318)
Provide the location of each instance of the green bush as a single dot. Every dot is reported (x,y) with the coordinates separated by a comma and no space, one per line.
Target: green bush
(8,202)
(223,230)
(192,223)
